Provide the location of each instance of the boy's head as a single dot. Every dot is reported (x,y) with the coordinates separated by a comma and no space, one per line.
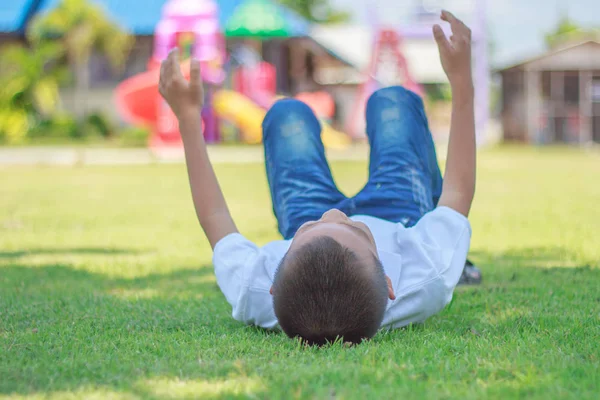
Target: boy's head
(331,284)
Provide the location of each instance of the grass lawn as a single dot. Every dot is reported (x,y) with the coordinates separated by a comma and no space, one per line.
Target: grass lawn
(107,291)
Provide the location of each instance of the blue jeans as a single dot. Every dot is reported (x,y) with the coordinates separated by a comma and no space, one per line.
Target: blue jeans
(404,177)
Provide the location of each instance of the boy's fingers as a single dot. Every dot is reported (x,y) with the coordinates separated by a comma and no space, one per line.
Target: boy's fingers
(455,23)
(446,16)
(195,79)
(440,38)
(449,17)
(167,70)
(163,76)
(169,65)
(160,80)
(174,57)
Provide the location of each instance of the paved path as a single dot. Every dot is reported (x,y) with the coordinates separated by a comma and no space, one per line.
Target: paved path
(71,156)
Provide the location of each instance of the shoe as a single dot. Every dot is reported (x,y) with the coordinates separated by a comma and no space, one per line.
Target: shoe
(471,275)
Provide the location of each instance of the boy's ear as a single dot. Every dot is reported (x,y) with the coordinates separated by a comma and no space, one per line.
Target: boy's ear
(271,290)
(391,293)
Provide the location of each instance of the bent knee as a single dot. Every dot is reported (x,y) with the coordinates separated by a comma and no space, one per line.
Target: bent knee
(395,93)
(291,119)
(396,97)
(288,106)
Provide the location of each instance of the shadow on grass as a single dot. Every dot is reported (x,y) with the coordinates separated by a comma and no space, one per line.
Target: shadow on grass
(172,335)
(63,280)
(125,335)
(67,251)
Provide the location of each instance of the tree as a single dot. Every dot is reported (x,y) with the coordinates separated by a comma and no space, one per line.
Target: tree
(82,28)
(567,31)
(319,11)
(28,87)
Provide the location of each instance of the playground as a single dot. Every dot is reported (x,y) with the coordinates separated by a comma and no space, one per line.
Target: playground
(241,86)
(107,291)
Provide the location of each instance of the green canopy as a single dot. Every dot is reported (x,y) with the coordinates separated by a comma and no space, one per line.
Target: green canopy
(264,19)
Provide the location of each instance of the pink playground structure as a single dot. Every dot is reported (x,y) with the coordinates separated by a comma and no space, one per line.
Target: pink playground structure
(242,95)
(193,27)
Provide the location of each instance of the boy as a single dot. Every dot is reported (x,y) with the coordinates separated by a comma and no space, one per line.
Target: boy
(390,256)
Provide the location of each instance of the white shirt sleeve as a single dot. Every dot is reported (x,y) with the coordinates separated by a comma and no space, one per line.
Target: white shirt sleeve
(445,236)
(240,272)
(233,256)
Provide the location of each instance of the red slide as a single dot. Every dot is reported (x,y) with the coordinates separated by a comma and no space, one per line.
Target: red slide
(138,102)
(137,99)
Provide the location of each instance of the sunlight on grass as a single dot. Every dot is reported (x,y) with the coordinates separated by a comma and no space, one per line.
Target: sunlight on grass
(150,293)
(83,393)
(179,389)
(502,379)
(135,294)
(497,316)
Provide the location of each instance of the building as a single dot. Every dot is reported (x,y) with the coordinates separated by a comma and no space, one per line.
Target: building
(554,97)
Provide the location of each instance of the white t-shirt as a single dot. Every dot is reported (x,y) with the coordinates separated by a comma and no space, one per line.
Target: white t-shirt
(424,263)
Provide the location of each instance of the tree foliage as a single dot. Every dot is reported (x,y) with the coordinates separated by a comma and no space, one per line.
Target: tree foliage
(320,11)
(30,76)
(28,87)
(568,31)
(82,27)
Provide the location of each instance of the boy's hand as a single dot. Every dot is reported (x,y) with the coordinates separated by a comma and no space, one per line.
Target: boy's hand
(459,179)
(455,53)
(184,98)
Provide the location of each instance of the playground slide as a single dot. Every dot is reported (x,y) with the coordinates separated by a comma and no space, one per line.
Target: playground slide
(248,116)
(242,112)
(137,97)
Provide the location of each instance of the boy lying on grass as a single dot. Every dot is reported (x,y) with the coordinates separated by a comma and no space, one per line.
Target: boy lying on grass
(387,257)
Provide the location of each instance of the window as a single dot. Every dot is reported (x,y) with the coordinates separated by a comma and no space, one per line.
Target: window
(596,89)
(572,88)
(546,85)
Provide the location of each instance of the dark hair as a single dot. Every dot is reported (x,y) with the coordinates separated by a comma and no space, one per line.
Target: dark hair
(323,292)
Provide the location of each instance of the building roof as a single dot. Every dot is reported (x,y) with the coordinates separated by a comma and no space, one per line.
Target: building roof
(13,14)
(140,17)
(354,45)
(550,53)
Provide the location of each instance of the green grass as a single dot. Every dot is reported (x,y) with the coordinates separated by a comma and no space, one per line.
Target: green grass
(107,291)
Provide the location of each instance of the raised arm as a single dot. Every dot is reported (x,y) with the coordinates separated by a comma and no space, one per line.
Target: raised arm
(186,100)
(459,179)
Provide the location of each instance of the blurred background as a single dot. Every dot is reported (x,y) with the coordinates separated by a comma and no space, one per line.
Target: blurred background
(84,72)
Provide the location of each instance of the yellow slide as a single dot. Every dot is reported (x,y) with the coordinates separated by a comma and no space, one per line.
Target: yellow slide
(248,116)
